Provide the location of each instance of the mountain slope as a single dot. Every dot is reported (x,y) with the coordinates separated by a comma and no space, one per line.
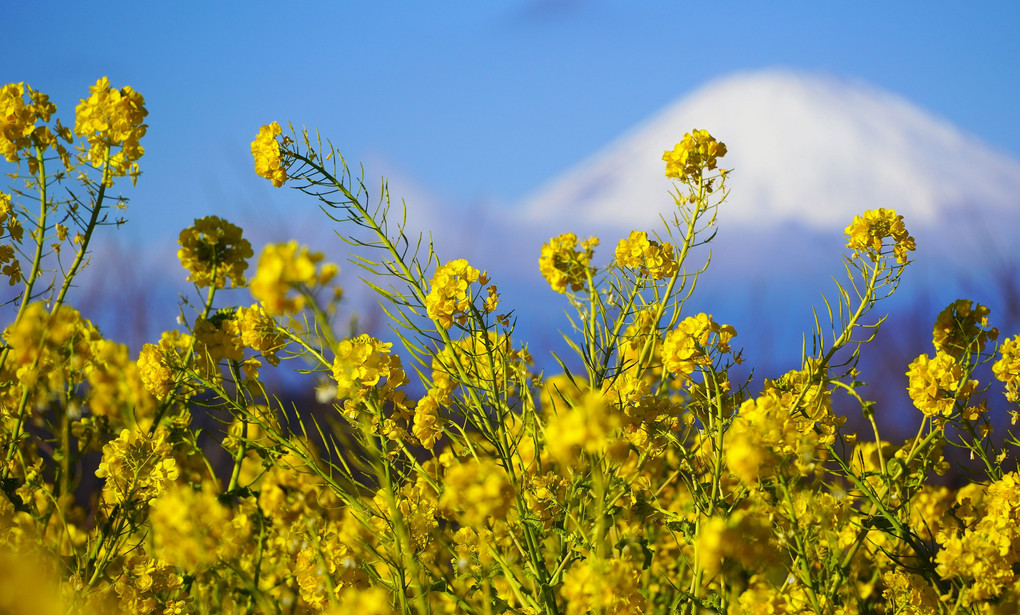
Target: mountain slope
(806,148)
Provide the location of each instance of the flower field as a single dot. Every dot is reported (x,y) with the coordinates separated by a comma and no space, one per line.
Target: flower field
(638,478)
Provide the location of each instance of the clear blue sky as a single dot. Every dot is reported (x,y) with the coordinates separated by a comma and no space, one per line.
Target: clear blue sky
(474,100)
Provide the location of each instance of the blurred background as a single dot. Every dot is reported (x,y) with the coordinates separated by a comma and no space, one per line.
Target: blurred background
(502,124)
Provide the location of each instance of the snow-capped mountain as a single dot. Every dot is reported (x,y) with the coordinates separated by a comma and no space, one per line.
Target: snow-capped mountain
(806,148)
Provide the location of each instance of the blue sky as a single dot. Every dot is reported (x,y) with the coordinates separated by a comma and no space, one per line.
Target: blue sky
(477,101)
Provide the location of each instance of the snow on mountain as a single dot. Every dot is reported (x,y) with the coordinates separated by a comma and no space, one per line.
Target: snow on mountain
(806,148)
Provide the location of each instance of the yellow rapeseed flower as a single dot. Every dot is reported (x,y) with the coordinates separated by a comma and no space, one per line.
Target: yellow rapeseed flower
(603,586)
(428,426)
(449,297)
(213,250)
(111,118)
(588,426)
(477,492)
(259,332)
(18,130)
(361,363)
(962,327)
(647,256)
(1007,368)
(564,262)
(692,343)
(697,151)
(266,151)
(934,384)
(137,467)
(286,267)
(868,232)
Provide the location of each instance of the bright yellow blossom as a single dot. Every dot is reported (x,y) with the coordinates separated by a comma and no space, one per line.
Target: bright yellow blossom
(692,344)
(588,426)
(868,232)
(190,541)
(476,493)
(449,297)
(697,151)
(602,586)
(112,118)
(565,262)
(935,384)
(266,151)
(137,467)
(18,130)
(428,426)
(259,332)
(1007,368)
(213,250)
(647,256)
(361,363)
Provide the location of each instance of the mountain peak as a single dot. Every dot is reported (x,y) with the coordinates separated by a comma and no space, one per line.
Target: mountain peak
(806,148)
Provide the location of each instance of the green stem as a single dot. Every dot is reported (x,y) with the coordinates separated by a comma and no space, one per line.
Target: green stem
(79,258)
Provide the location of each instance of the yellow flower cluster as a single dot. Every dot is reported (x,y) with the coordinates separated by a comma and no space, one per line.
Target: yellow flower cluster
(259,332)
(46,353)
(936,384)
(149,586)
(693,343)
(220,338)
(116,390)
(603,586)
(111,118)
(696,152)
(589,426)
(160,364)
(962,328)
(18,130)
(137,467)
(868,232)
(909,593)
(545,495)
(428,425)
(287,267)
(1007,368)
(213,250)
(565,262)
(790,423)
(647,256)
(450,295)
(477,492)
(361,364)
(985,552)
(744,537)
(323,570)
(764,434)
(196,542)
(266,151)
